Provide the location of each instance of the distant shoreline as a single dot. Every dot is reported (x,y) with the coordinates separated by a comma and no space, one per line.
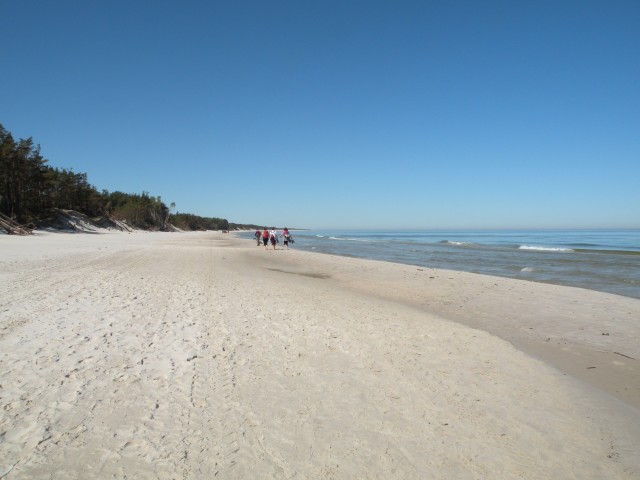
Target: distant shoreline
(600,260)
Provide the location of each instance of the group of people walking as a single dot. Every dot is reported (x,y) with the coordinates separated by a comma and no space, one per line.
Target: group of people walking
(267,236)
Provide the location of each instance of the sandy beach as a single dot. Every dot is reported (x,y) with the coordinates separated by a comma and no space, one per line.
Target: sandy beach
(199,355)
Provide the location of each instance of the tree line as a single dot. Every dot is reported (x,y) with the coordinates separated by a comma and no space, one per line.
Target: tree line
(30,190)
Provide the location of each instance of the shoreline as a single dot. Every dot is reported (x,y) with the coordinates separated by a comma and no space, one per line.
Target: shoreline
(551,257)
(603,355)
(118,346)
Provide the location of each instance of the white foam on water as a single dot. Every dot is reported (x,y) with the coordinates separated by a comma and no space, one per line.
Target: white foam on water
(544,249)
(349,239)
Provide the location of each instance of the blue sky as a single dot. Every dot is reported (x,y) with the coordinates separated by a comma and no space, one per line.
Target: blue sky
(345,114)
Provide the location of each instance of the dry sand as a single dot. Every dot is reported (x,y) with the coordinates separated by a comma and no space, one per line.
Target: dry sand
(199,355)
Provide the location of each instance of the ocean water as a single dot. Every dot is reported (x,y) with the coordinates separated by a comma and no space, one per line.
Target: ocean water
(603,260)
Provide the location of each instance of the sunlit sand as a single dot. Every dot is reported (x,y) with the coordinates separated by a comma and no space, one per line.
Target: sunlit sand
(191,355)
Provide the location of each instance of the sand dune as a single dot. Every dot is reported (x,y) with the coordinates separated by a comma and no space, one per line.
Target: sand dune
(199,355)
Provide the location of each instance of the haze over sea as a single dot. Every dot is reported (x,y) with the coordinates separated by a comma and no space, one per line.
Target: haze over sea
(603,260)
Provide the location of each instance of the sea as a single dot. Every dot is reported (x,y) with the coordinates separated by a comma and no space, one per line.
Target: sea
(602,260)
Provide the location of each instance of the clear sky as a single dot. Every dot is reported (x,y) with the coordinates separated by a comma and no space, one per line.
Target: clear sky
(346,114)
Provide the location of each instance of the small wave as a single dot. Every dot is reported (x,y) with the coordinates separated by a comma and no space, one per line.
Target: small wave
(362,240)
(545,249)
(457,244)
(527,269)
(349,239)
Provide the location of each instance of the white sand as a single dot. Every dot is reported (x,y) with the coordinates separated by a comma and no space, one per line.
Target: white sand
(198,355)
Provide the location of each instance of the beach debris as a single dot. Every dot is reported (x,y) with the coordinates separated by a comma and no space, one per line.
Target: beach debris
(14,228)
(623,355)
(605,333)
